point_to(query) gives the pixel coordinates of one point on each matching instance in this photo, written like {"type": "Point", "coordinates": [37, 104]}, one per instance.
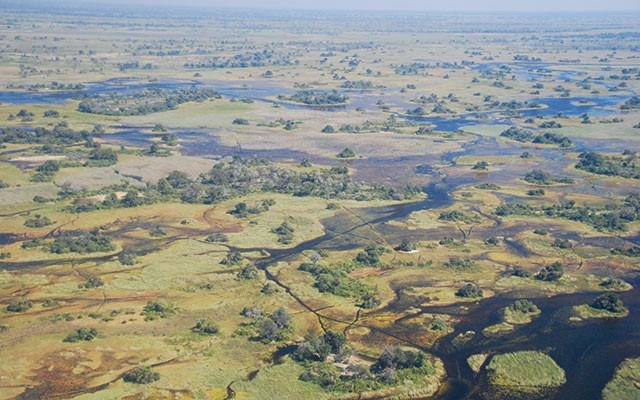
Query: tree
{"type": "Point", "coordinates": [406, 245]}
{"type": "Point", "coordinates": [346, 153]}
{"type": "Point", "coordinates": [469, 291]}
{"type": "Point", "coordinates": [370, 256]}
{"type": "Point", "coordinates": [610, 302]}
{"type": "Point", "coordinates": [328, 129]}
{"type": "Point", "coordinates": [551, 273]}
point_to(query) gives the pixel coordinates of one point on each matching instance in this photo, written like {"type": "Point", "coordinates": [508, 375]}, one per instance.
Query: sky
{"type": "Point", "coordinates": [422, 5]}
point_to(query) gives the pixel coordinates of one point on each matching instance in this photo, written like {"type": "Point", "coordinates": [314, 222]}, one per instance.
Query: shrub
{"type": "Point", "coordinates": [20, 305]}
{"type": "Point", "coordinates": [141, 375]}
{"type": "Point", "coordinates": [551, 273]}
{"type": "Point", "coordinates": [406, 245]}
{"type": "Point", "coordinates": [81, 335]}
{"type": "Point", "coordinates": [248, 272]}
{"type": "Point", "coordinates": [154, 310]}
{"type": "Point", "coordinates": [469, 291]}
{"type": "Point", "coordinates": [346, 153]}
{"type": "Point", "coordinates": [205, 327]}
{"type": "Point", "coordinates": [93, 282]}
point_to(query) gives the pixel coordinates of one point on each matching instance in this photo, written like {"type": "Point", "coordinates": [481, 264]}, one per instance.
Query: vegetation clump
{"type": "Point", "coordinates": [346, 153]}
{"type": "Point", "coordinates": [370, 256]}
{"type": "Point", "coordinates": [141, 375]}
{"type": "Point", "coordinates": [22, 305]}
{"type": "Point", "coordinates": [460, 263]}
{"type": "Point", "coordinates": [394, 366]}
{"type": "Point", "coordinates": [612, 217]}
{"type": "Point", "coordinates": [524, 135]}
{"type": "Point", "coordinates": [274, 327]}
{"type": "Point", "coordinates": [146, 101]}
{"type": "Point", "coordinates": [551, 273]}
{"type": "Point", "coordinates": [335, 279]}
{"type": "Point", "coordinates": [285, 233]}
{"type": "Point", "coordinates": [205, 327]}
{"type": "Point", "coordinates": [91, 242]}
{"type": "Point", "coordinates": [38, 221]}
{"type": "Point", "coordinates": [470, 291]}
{"type": "Point", "coordinates": [93, 282]}
{"type": "Point", "coordinates": [623, 166]}
{"type": "Point", "coordinates": [81, 335]}
{"type": "Point", "coordinates": [313, 98]}
{"type": "Point", "coordinates": [538, 177]}
{"type": "Point", "coordinates": [406, 245]}
{"type": "Point", "coordinates": [154, 310]}
{"type": "Point", "coordinates": [609, 302]}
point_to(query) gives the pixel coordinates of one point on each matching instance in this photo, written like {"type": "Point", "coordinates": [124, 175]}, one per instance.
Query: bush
{"type": "Point", "coordinates": [460, 263]}
{"type": "Point", "coordinates": [127, 257]}
{"type": "Point", "coordinates": [524, 306]}
{"type": "Point", "coordinates": [551, 273]}
{"type": "Point", "coordinates": [469, 291]}
{"type": "Point", "coordinates": [38, 221]}
{"type": "Point", "coordinates": [240, 121]}
{"type": "Point", "coordinates": [81, 335]}
{"type": "Point", "coordinates": [233, 258]}
{"type": "Point", "coordinates": [346, 153]}
{"type": "Point", "coordinates": [20, 305]}
{"type": "Point", "coordinates": [328, 129]}
{"type": "Point", "coordinates": [91, 242]}
{"type": "Point", "coordinates": [141, 375]}
{"type": "Point", "coordinates": [217, 238]}
{"type": "Point", "coordinates": [248, 272]}
{"type": "Point", "coordinates": [154, 310]}
{"type": "Point", "coordinates": [93, 282]}
{"type": "Point", "coordinates": [406, 245]}
{"type": "Point", "coordinates": [205, 327]}
{"type": "Point", "coordinates": [370, 256]}
{"type": "Point", "coordinates": [520, 273]}
{"type": "Point", "coordinates": [394, 358]}
{"type": "Point", "coordinates": [492, 241]}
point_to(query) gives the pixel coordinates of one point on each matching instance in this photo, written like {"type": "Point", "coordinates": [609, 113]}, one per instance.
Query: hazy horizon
{"type": "Point", "coordinates": [400, 5]}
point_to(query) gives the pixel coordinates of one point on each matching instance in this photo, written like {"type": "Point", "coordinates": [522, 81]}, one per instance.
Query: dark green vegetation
{"type": "Point", "coordinates": [610, 302]}
{"type": "Point", "coordinates": [625, 166]}
{"type": "Point", "coordinates": [335, 279]}
{"type": "Point", "coordinates": [524, 135]}
{"type": "Point", "coordinates": [143, 102]}
{"type": "Point", "coordinates": [551, 273]}
{"type": "Point", "coordinates": [245, 176]}
{"type": "Point", "coordinates": [313, 98]}
{"type": "Point", "coordinates": [613, 217]}
{"type": "Point", "coordinates": [267, 328]}
{"type": "Point", "coordinates": [470, 291]}
{"type": "Point", "coordinates": [205, 327]}
{"type": "Point", "coordinates": [81, 335]}
{"type": "Point", "coordinates": [538, 177]}
{"type": "Point", "coordinates": [141, 376]}
{"type": "Point", "coordinates": [321, 355]}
